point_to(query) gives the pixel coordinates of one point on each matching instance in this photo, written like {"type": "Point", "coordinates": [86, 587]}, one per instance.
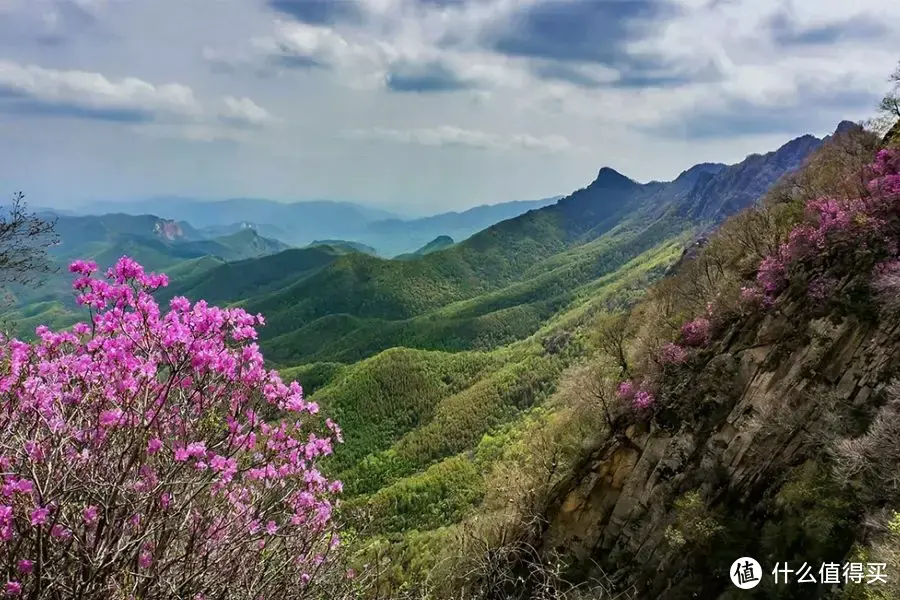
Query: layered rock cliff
{"type": "Point", "coordinates": [668, 506]}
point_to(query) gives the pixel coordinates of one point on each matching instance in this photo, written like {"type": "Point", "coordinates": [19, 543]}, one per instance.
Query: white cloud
{"type": "Point", "coordinates": [418, 74]}
{"type": "Point", "coordinates": [36, 90]}
{"type": "Point", "coordinates": [446, 135]}
{"type": "Point", "coordinates": [93, 91]}
{"type": "Point", "coordinates": [244, 111]}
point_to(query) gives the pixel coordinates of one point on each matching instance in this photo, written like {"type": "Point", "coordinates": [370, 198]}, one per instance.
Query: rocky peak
{"type": "Point", "coordinates": [168, 230]}
{"type": "Point", "coordinates": [610, 178]}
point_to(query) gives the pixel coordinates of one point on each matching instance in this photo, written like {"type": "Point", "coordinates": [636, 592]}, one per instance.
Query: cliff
{"type": "Point", "coordinates": [667, 507]}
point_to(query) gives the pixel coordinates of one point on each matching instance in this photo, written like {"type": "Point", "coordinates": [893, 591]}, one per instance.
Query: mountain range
{"type": "Point", "coordinates": [500, 284]}
{"type": "Point", "coordinates": [435, 362]}
{"type": "Point", "coordinates": [302, 223]}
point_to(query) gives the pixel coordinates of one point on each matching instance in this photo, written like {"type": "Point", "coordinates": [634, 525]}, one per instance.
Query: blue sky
{"type": "Point", "coordinates": [422, 105]}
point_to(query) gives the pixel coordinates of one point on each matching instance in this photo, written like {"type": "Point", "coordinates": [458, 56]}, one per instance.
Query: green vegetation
{"type": "Point", "coordinates": [343, 247]}
{"type": "Point", "coordinates": [444, 369]}
{"type": "Point", "coordinates": [438, 243]}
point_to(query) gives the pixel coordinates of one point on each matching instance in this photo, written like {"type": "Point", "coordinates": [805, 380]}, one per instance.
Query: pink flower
{"type": "Point", "coordinates": [13, 588]}
{"type": "Point", "coordinates": [39, 516]}
{"type": "Point", "coordinates": [90, 515]}
{"type": "Point", "coordinates": [643, 400]}
{"type": "Point", "coordinates": [145, 559]}
{"type": "Point", "coordinates": [25, 566]}
{"type": "Point", "coordinates": [83, 267]}
{"type": "Point", "coordinates": [673, 354]}
{"type": "Point", "coordinates": [154, 446]}
{"type": "Point", "coordinates": [110, 418]}
{"type": "Point", "coordinates": [696, 333]}
{"type": "Point", "coordinates": [191, 378]}
{"type": "Point", "coordinates": [59, 532]}
{"type": "Point", "coordinates": [626, 390]}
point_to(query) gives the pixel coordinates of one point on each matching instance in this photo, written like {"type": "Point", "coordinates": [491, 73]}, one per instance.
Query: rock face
{"type": "Point", "coordinates": [169, 230]}
{"type": "Point", "coordinates": [616, 510]}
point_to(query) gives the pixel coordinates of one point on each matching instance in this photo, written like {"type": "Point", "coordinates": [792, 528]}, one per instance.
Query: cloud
{"type": "Point", "coordinates": [53, 22]}
{"type": "Point", "coordinates": [320, 12]}
{"type": "Point", "coordinates": [432, 76]}
{"type": "Point", "coordinates": [361, 60]}
{"type": "Point", "coordinates": [30, 89]}
{"type": "Point", "coordinates": [448, 136]}
{"type": "Point", "coordinates": [578, 30]}
{"type": "Point", "coordinates": [787, 31]}
{"type": "Point", "coordinates": [243, 112]}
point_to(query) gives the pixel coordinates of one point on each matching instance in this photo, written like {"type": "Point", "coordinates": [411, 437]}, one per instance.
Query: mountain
{"type": "Point", "coordinates": [503, 282]}
{"type": "Point", "coordinates": [247, 243]}
{"type": "Point", "coordinates": [496, 426]}
{"type": "Point", "coordinates": [264, 229]}
{"type": "Point", "coordinates": [395, 236]}
{"type": "Point", "coordinates": [300, 222]}
{"type": "Point", "coordinates": [438, 243]}
{"type": "Point", "coordinates": [344, 247]}
{"type": "Point", "coordinates": [158, 244]}
{"type": "Point", "coordinates": [248, 278]}
{"type": "Point", "coordinates": [717, 193]}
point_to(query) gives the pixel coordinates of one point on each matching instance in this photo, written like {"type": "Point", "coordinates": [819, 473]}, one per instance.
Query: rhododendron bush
{"type": "Point", "coordinates": [853, 234]}
{"type": "Point", "coordinates": [135, 463]}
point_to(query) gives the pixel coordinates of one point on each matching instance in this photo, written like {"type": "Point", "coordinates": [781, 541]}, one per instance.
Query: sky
{"type": "Point", "coordinates": [417, 105]}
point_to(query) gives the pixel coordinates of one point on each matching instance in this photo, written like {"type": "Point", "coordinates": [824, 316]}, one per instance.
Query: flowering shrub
{"type": "Point", "coordinates": [639, 397]}
{"type": "Point", "coordinates": [835, 230]}
{"type": "Point", "coordinates": [643, 399]}
{"type": "Point", "coordinates": [135, 463]}
{"type": "Point", "coordinates": [672, 354]}
{"type": "Point", "coordinates": [626, 390]}
{"type": "Point", "coordinates": [696, 333]}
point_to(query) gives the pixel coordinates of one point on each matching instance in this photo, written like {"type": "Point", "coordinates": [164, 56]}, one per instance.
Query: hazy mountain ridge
{"type": "Point", "coordinates": [301, 223]}
{"type": "Point", "coordinates": [534, 262]}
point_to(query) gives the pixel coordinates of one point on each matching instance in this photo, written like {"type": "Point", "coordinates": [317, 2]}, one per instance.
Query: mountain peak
{"type": "Point", "coordinates": [609, 177]}
{"type": "Point", "coordinates": [846, 126]}
{"type": "Point", "coordinates": [691, 175]}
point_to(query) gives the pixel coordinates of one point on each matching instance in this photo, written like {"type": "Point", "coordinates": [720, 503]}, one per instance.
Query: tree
{"type": "Point", "coordinates": [613, 335]}
{"type": "Point", "coordinates": [24, 239]}
{"type": "Point", "coordinates": [890, 104]}
{"type": "Point", "coordinates": [135, 462]}
{"type": "Point", "coordinates": [889, 111]}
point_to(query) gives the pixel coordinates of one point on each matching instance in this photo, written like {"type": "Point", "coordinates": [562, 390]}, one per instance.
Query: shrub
{"type": "Point", "coordinates": [673, 354]}
{"type": "Point", "coordinates": [696, 333]}
{"type": "Point", "coordinates": [135, 463]}
{"type": "Point", "coordinates": [842, 235]}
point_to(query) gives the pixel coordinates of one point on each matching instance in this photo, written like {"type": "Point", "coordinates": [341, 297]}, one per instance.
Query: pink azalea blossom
{"type": "Point", "coordinates": [25, 566]}
{"type": "Point", "coordinates": [39, 516]}
{"type": "Point", "coordinates": [106, 398]}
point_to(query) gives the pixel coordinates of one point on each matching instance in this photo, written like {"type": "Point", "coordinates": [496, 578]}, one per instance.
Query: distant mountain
{"type": "Point", "coordinates": [395, 236]}
{"type": "Point", "coordinates": [247, 243]}
{"type": "Point", "coordinates": [249, 278]}
{"type": "Point", "coordinates": [301, 221]}
{"type": "Point", "coordinates": [719, 192]}
{"type": "Point", "coordinates": [344, 246]}
{"type": "Point", "coordinates": [438, 243]}
{"type": "Point", "coordinates": [503, 282]}
{"type": "Point", "coordinates": [158, 244]}
{"type": "Point", "coordinates": [264, 229]}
